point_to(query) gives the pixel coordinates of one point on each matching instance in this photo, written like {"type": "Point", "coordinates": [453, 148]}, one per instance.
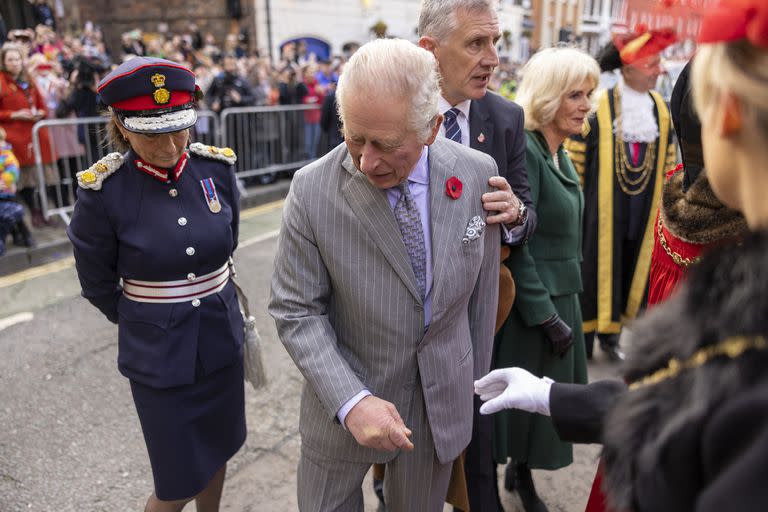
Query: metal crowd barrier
{"type": "Point", "coordinates": [268, 140]}
{"type": "Point", "coordinates": [76, 144]}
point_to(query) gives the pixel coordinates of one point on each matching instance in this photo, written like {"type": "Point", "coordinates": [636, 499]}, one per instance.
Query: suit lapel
{"type": "Point", "coordinates": [480, 127]}
{"type": "Point", "coordinates": [372, 208]}
{"type": "Point", "coordinates": [446, 222]}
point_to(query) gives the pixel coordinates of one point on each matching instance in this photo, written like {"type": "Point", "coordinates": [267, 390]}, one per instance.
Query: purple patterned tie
{"type": "Point", "coordinates": [409, 220]}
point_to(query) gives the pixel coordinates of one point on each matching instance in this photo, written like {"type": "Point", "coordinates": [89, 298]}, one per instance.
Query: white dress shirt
{"type": "Point", "coordinates": [462, 118]}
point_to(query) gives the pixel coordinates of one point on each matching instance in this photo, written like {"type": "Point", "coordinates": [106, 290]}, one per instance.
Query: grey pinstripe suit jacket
{"type": "Point", "coordinates": [348, 309]}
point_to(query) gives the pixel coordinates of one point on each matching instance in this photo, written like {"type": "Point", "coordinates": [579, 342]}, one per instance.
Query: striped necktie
{"type": "Point", "coordinates": [409, 220]}
{"type": "Point", "coordinates": [451, 123]}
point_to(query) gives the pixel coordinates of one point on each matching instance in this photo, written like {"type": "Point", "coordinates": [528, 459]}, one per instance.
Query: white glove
{"type": "Point", "coordinates": [513, 388]}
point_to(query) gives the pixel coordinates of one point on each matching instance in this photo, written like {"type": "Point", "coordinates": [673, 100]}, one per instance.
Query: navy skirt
{"type": "Point", "coordinates": [191, 431]}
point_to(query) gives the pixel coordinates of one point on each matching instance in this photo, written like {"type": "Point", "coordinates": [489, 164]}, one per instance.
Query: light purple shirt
{"type": "Point", "coordinates": [418, 184]}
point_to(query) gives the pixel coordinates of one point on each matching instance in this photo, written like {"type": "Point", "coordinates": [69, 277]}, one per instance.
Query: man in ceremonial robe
{"type": "Point", "coordinates": [621, 158]}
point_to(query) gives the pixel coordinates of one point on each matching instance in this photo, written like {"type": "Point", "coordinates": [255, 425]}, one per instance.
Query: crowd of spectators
{"type": "Point", "coordinates": [64, 69]}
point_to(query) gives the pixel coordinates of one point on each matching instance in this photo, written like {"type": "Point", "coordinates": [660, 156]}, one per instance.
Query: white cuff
{"type": "Point", "coordinates": [349, 404]}
{"type": "Point", "coordinates": [514, 235]}
{"type": "Point", "coordinates": [543, 405]}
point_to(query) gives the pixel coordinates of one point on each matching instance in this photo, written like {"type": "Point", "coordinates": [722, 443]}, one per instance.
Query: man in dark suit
{"type": "Point", "coordinates": [462, 34]}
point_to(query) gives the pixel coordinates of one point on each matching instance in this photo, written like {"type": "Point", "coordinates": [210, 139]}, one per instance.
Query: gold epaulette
{"type": "Point", "coordinates": [93, 176]}
{"type": "Point", "coordinates": [222, 154]}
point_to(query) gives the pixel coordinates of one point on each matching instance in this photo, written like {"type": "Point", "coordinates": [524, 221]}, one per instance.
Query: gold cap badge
{"type": "Point", "coordinates": [158, 80]}
{"type": "Point", "coordinates": [161, 95]}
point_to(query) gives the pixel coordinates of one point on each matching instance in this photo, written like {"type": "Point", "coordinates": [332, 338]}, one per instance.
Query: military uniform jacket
{"type": "Point", "coordinates": [140, 227]}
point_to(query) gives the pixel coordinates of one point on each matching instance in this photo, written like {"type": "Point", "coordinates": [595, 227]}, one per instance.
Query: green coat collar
{"type": "Point", "coordinates": [566, 173]}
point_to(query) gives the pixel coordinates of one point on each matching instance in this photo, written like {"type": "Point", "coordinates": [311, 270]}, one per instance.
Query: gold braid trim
{"type": "Point", "coordinates": [732, 348]}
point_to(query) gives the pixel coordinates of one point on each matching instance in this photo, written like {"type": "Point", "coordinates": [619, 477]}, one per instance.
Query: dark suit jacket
{"type": "Point", "coordinates": [496, 128]}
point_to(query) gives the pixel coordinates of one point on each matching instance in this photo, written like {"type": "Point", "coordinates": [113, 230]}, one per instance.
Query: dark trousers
{"type": "Point", "coordinates": [479, 466]}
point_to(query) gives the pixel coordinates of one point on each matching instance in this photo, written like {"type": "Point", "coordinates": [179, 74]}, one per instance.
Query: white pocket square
{"type": "Point", "coordinates": [474, 229]}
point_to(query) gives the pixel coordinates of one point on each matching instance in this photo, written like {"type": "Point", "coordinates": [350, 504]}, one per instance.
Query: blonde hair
{"type": "Point", "coordinates": [547, 77]}
{"type": "Point", "coordinates": [738, 67]}
{"type": "Point", "coordinates": [388, 69]}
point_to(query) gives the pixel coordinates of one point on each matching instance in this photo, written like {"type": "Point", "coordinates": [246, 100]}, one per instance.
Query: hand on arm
{"type": "Point", "coordinates": [375, 423]}
{"type": "Point", "coordinates": [513, 388]}
{"type": "Point", "coordinates": [502, 201]}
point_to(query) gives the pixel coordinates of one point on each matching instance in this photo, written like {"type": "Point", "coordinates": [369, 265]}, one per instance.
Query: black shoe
{"type": "Point", "coordinates": [609, 343]}
{"type": "Point", "coordinates": [510, 477]}
{"type": "Point", "coordinates": [526, 490]}
{"type": "Point", "coordinates": [614, 354]}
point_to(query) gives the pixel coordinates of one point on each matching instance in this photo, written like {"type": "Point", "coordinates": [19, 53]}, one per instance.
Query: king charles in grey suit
{"type": "Point", "coordinates": [385, 287]}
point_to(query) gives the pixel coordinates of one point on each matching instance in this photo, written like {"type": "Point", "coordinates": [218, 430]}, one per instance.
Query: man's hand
{"type": "Point", "coordinates": [502, 201]}
{"type": "Point", "coordinates": [375, 423]}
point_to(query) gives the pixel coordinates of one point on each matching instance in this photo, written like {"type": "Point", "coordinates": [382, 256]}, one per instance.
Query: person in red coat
{"type": "Point", "coordinates": [21, 106]}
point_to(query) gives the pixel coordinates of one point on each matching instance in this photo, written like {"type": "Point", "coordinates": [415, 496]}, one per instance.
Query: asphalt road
{"type": "Point", "coordinates": [69, 436]}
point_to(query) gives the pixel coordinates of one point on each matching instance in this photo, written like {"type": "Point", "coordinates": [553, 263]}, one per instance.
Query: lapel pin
{"type": "Point", "coordinates": [453, 187]}
{"type": "Point", "coordinates": [481, 138]}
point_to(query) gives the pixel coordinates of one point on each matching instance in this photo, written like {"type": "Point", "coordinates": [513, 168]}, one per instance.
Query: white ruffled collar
{"type": "Point", "coordinates": [638, 118]}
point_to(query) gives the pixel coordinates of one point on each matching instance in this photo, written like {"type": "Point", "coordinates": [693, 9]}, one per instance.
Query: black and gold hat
{"type": "Point", "coordinates": [151, 95]}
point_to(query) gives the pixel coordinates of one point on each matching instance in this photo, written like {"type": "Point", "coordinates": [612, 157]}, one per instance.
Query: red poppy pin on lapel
{"type": "Point", "coordinates": [453, 187]}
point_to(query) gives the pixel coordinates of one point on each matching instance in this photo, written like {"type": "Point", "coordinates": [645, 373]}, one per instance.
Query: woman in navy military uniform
{"type": "Point", "coordinates": [153, 231]}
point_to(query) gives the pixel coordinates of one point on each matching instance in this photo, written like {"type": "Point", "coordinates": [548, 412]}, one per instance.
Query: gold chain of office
{"type": "Point", "coordinates": [633, 180]}
{"type": "Point", "coordinates": [731, 348]}
{"type": "Point", "coordinates": [679, 260]}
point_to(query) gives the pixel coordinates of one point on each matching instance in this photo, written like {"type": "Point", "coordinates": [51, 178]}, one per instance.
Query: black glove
{"type": "Point", "coordinates": [559, 335]}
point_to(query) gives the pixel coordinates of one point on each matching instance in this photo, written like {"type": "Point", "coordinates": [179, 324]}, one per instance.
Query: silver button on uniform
{"type": "Point", "coordinates": [173, 192]}
{"type": "Point", "coordinates": [191, 276]}
{"type": "Point", "coordinates": [196, 302]}
{"type": "Point", "coordinates": [190, 251]}
{"type": "Point", "coordinates": [182, 221]}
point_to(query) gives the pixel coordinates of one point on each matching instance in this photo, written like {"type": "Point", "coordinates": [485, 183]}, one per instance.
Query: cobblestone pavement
{"type": "Point", "coordinates": [69, 435]}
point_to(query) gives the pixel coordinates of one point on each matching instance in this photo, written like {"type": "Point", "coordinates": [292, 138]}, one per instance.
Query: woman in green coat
{"type": "Point", "coordinates": [543, 332]}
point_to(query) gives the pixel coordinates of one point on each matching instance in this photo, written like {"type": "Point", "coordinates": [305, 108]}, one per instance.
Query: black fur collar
{"type": "Point", "coordinates": [697, 216]}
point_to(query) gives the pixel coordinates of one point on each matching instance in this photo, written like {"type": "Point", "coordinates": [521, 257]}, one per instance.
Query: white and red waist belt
{"type": "Point", "coordinates": [194, 287]}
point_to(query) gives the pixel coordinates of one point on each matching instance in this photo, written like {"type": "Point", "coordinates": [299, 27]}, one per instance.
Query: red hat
{"type": "Point", "coordinates": [151, 95]}
{"type": "Point", "coordinates": [731, 20]}
{"type": "Point", "coordinates": [643, 43]}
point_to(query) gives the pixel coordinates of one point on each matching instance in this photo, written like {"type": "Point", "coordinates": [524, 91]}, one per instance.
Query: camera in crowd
{"type": "Point", "coordinates": [88, 67]}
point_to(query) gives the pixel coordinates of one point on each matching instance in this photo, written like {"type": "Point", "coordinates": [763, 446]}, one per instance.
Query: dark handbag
{"type": "Point", "coordinates": [253, 367]}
